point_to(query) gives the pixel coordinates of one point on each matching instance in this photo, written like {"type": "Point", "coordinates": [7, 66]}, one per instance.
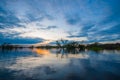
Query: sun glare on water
{"type": "Point", "coordinates": [41, 51]}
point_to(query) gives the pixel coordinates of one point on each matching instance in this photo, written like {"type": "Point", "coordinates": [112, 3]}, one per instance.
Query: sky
{"type": "Point", "coordinates": [45, 21]}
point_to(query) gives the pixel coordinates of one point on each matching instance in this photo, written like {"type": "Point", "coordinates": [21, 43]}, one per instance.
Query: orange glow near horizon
{"type": "Point", "coordinates": [41, 51]}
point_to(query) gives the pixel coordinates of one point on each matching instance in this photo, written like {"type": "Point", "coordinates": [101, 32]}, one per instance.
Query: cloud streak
{"type": "Point", "coordinates": [56, 19]}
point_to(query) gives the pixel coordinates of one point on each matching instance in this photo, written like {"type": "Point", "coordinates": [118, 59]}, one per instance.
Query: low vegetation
{"type": "Point", "coordinates": [69, 45]}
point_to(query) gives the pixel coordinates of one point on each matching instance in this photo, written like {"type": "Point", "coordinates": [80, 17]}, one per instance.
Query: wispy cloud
{"type": "Point", "coordinates": [48, 28]}
{"type": "Point", "coordinates": [89, 20]}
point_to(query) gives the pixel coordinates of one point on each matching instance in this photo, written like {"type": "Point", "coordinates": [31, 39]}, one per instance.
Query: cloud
{"type": "Point", "coordinates": [91, 20]}
{"type": "Point", "coordinates": [48, 28]}
{"type": "Point", "coordinates": [21, 40]}
{"type": "Point", "coordinates": [73, 19]}
{"type": "Point", "coordinates": [32, 31]}
{"type": "Point", "coordinates": [7, 18]}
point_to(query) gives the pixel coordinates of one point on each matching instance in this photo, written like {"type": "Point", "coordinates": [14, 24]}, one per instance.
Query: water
{"type": "Point", "coordinates": [59, 64]}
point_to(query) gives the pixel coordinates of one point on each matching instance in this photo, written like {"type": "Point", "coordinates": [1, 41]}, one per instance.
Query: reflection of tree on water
{"type": "Point", "coordinates": [61, 51]}
{"type": "Point", "coordinates": [65, 48]}
{"type": "Point", "coordinates": [64, 52]}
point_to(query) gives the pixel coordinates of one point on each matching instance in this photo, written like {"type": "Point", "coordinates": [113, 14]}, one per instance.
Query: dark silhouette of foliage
{"type": "Point", "coordinates": [68, 45]}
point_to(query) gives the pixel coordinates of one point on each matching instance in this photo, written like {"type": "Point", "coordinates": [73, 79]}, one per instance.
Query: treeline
{"type": "Point", "coordinates": [64, 44]}
{"type": "Point", "coordinates": [9, 46]}
{"type": "Point", "coordinates": [69, 45]}
{"type": "Point", "coordinates": [74, 44]}
{"type": "Point", "coordinates": [99, 46]}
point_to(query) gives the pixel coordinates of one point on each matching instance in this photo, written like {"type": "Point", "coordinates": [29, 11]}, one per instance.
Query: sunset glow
{"type": "Point", "coordinates": [45, 21]}
{"type": "Point", "coordinates": [41, 51]}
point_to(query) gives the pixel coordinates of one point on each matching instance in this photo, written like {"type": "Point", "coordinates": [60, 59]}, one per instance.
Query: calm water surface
{"type": "Point", "coordinates": [59, 64]}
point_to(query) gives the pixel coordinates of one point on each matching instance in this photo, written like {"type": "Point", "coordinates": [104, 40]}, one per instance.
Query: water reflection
{"type": "Point", "coordinates": [59, 64]}
{"type": "Point", "coordinates": [65, 53]}
{"type": "Point", "coordinates": [41, 51]}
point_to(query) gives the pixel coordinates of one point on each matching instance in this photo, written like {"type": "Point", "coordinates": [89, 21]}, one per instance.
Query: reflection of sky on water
{"type": "Point", "coordinates": [41, 51]}
{"type": "Point", "coordinates": [45, 57]}
{"type": "Point", "coordinates": [46, 64]}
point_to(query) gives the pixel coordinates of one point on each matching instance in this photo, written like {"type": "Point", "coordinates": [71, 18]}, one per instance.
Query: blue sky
{"type": "Point", "coordinates": [44, 21]}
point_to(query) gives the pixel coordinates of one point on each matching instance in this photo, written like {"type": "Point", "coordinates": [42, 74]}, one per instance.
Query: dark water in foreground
{"type": "Point", "coordinates": [41, 64]}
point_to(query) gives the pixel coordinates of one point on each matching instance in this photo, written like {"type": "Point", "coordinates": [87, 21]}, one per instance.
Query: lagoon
{"type": "Point", "coordinates": [59, 64]}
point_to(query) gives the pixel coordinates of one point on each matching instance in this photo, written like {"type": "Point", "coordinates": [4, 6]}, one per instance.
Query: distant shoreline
{"type": "Point", "coordinates": [69, 46]}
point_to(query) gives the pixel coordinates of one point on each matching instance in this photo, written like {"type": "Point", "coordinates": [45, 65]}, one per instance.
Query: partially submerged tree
{"type": "Point", "coordinates": [61, 43]}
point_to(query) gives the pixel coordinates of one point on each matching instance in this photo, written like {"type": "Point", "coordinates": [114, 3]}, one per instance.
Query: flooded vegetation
{"type": "Point", "coordinates": [63, 61]}
{"type": "Point", "coordinates": [59, 39]}
{"type": "Point", "coordinates": [69, 45]}
{"type": "Point", "coordinates": [59, 64]}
